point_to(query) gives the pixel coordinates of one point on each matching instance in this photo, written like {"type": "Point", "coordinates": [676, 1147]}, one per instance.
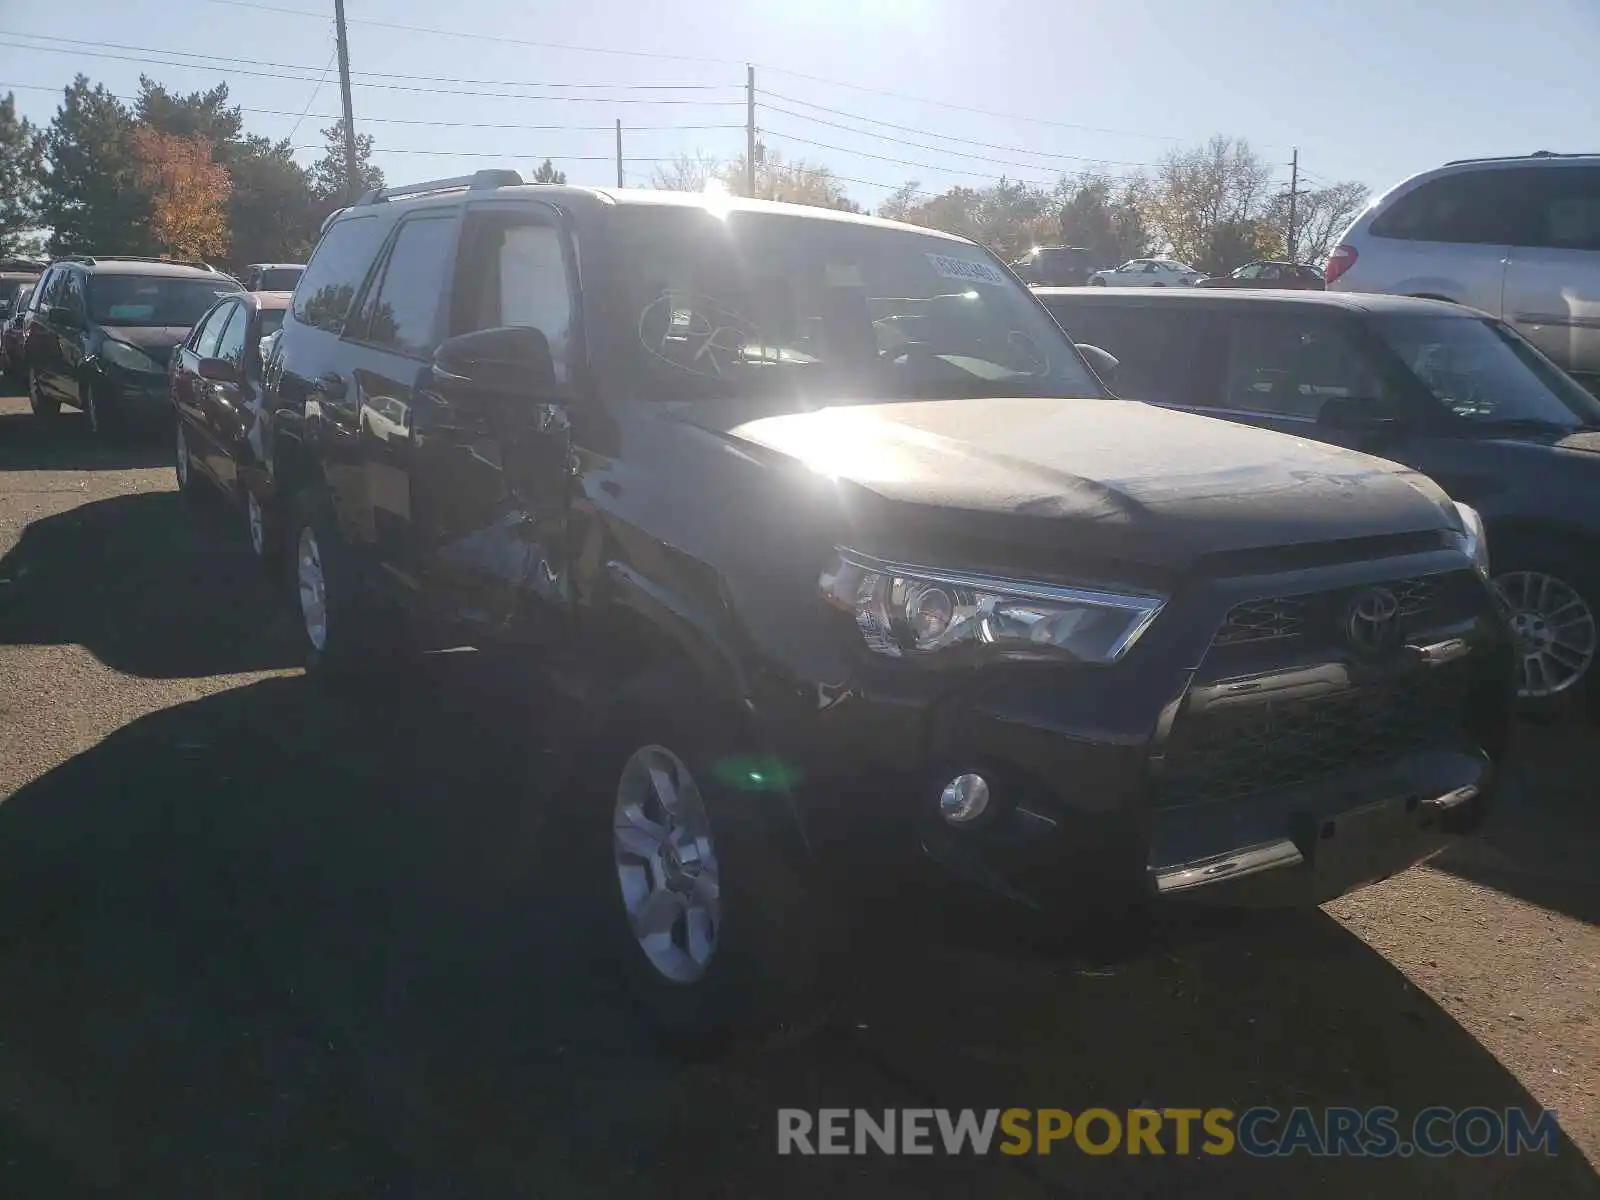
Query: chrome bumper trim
{"type": "Point", "coordinates": [1249, 860]}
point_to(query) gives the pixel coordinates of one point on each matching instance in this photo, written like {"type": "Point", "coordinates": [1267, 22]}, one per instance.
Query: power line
{"type": "Point", "coordinates": [295, 128]}
{"type": "Point", "coordinates": [946, 150]}
{"type": "Point", "coordinates": [927, 133]}
{"type": "Point", "coordinates": [778, 133]}
{"type": "Point", "coordinates": [279, 112]}
{"type": "Point", "coordinates": [256, 62]}
{"type": "Point", "coordinates": [485, 37]}
{"type": "Point", "coordinates": [393, 87]}
{"type": "Point", "coordinates": [458, 33]}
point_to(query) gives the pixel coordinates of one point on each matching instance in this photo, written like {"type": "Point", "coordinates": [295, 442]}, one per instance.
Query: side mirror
{"type": "Point", "coordinates": [1104, 363]}
{"type": "Point", "coordinates": [61, 314]}
{"type": "Point", "coordinates": [1358, 415]}
{"type": "Point", "coordinates": [218, 370]}
{"type": "Point", "coordinates": [505, 361]}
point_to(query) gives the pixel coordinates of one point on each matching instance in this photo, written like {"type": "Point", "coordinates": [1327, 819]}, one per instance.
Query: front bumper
{"type": "Point", "coordinates": [133, 398]}
{"type": "Point", "coordinates": [1185, 773]}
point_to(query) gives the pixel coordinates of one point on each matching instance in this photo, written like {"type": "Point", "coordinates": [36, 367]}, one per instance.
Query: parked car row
{"type": "Point", "coordinates": [843, 548]}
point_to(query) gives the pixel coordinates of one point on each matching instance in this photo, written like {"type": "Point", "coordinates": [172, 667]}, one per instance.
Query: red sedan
{"type": "Point", "coordinates": [1269, 273]}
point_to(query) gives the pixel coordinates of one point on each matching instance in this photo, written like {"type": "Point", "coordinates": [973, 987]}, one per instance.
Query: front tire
{"type": "Point", "coordinates": [713, 912]}
{"type": "Point", "coordinates": [183, 464]}
{"type": "Point", "coordinates": [1553, 601]}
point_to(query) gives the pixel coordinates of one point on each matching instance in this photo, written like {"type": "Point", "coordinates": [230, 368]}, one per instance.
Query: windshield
{"type": "Point", "coordinates": [280, 279]}
{"type": "Point", "coordinates": [749, 303]}
{"type": "Point", "coordinates": [153, 299]}
{"type": "Point", "coordinates": [1484, 372]}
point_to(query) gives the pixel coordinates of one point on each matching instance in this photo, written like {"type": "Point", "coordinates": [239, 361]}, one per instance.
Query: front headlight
{"type": "Point", "coordinates": [1471, 538]}
{"type": "Point", "coordinates": [120, 354]}
{"type": "Point", "coordinates": [905, 611]}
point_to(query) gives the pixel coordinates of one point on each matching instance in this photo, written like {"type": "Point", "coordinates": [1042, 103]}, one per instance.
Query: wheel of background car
{"type": "Point", "coordinates": [1097, 282]}
{"type": "Point", "coordinates": [92, 410]}
{"type": "Point", "coordinates": [1553, 602]}
{"type": "Point", "coordinates": [42, 407]}
{"type": "Point", "coordinates": [183, 463]}
{"type": "Point", "coordinates": [718, 929]}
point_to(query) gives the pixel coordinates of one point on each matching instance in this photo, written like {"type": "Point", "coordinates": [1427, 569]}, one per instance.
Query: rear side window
{"type": "Point", "coordinates": [404, 312]}
{"type": "Point", "coordinates": [1478, 207]}
{"type": "Point", "coordinates": [1290, 364]}
{"type": "Point", "coordinates": [1158, 347]}
{"type": "Point", "coordinates": [512, 272]}
{"type": "Point", "coordinates": [334, 275]}
{"type": "Point", "coordinates": [1565, 209]}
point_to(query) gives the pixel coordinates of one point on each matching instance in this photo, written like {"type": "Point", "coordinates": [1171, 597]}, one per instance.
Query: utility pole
{"type": "Point", "coordinates": [750, 131]}
{"type": "Point", "coordinates": [619, 151]}
{"type": "Point", "coordinates": [351, 182]}
{"type": "Point", "coordinates": [1294, 196]}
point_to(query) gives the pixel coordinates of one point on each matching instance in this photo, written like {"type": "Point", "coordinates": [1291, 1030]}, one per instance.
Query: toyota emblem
{"type": "Point", "coordinates": [1373, 625]}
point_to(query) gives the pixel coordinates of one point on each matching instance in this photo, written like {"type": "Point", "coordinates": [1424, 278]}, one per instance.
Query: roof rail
{"type": "Point", "coordinates": [90, 260]}
{"type": "Point", "coordinates": [491, 177]}
{"type": "Point", "coordinates": [1457, 162]}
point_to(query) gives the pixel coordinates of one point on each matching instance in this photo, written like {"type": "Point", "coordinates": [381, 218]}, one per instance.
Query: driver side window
{"type": "Point", "coordinates": [1290, 365]}
{"type": "Point", "coordinates": [512, 274]}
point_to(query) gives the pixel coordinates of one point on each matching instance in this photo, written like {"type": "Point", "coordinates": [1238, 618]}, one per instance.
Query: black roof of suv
{"type": "Point", "coordinates": [830, 536]}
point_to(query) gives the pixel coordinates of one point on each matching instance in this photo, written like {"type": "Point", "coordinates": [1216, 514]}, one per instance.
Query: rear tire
{"type": "Point", "coordinates": [715, 916]}
{"type": "Point", "coordinates": [346, 631]}
{"type": "Point", "coordinates": [1097, 283]}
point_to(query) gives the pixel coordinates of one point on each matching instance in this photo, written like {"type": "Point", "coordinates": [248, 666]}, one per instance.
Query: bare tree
{"type": "Point", "coordinates": [1320, 217]}
{"type": "Point", "coordinates": [687, 172]}
{"type": "Point", "coordinates": [1206, 203]}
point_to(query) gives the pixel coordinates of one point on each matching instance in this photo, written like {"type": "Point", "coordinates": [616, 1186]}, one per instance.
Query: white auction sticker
{"type": "Point", "coordinates": [966, 269]}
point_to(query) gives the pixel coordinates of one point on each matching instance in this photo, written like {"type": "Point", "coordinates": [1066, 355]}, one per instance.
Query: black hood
{"type": "Point", "coordinates": [157, 341]}
{"type": "Point", "coordinates": [1115, 478]}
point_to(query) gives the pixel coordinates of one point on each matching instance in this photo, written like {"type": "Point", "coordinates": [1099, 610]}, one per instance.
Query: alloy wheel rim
{"type": "Point", "coordinates": [313, 589]}
{"type": "Point", "coordinates": [1555, 631]}
{"type": "Point", "coordinates": [258, 528]}
{"type": "Point", "coordinates": [666, 864]}
{"type": "Point", "coordinates": [183, 457]}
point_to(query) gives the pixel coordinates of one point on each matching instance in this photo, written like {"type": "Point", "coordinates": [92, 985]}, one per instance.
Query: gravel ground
{"type": "Point", "coordinates": [264, 941]}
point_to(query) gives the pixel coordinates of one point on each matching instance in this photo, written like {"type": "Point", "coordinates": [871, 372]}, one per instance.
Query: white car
{"type": "Point", "coordinates": [1147, 272]}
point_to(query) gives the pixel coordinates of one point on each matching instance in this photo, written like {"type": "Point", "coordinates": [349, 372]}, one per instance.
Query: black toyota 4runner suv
{"type": "Point", "coordinates": [848, 548]}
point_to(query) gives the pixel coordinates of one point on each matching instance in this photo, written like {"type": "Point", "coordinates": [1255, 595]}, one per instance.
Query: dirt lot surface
{"type": "Point", "coordinates": [261, 940]}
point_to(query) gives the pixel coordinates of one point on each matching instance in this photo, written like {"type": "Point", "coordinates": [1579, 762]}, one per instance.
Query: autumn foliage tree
{"type": "Point", "coordinates": [188, 192]}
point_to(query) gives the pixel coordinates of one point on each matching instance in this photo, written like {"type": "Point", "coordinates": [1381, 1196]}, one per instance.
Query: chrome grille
{"type": "Point", "coordinates": [1280, 618]}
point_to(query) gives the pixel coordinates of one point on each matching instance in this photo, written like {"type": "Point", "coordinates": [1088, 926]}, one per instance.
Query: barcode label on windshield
{"type": "Point", "coordinates": [965, 269]}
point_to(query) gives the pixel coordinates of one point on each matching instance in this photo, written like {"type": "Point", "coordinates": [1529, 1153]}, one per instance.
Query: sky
{"type": "Point", "coordinates": [883, 92]}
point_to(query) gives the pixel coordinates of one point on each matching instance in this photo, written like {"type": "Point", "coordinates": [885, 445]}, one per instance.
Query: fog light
{"type": "Point", "coordinates": [964, 799]}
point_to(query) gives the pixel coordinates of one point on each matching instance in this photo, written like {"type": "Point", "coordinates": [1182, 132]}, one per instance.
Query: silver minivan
{"type": "Point", "coordinates": [1518, 238]}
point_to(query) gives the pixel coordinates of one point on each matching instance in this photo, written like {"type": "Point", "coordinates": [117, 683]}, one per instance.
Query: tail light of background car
{"type": "Point", "coordinates": [1340, 261]}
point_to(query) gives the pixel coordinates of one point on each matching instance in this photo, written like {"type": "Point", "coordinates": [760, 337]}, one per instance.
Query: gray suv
{"type": "Point", "coordinates": [1518, 238]}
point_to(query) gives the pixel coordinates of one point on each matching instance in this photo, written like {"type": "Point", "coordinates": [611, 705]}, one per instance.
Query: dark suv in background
{"type": "Point", "coordinates": [1054, 266]}
{"type": "Point", "coordinates": [101, 330]}
{"type": "Point", "coordinates": [842, 555]}
{"type": "Point", "coordinates": [1456, 394]}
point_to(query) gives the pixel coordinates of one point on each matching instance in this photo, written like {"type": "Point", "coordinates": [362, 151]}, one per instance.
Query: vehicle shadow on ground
{"type": "Point", "coordinates": [1541, 843]}
{"type": "Point", "coordinates": [287, 941]}
{"type": "Point", "coordinates": [154, 584]}
{"type": "Point", "coordinates": [66, 444]}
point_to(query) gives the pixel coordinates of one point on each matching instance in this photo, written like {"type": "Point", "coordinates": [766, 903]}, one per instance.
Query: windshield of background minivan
{"type": "Point", "coordinates": [752, 302]}
{"type": "Point", "coordinates": [1483, 371]}
{"type": "Point", "coordinates": [152, 299]}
